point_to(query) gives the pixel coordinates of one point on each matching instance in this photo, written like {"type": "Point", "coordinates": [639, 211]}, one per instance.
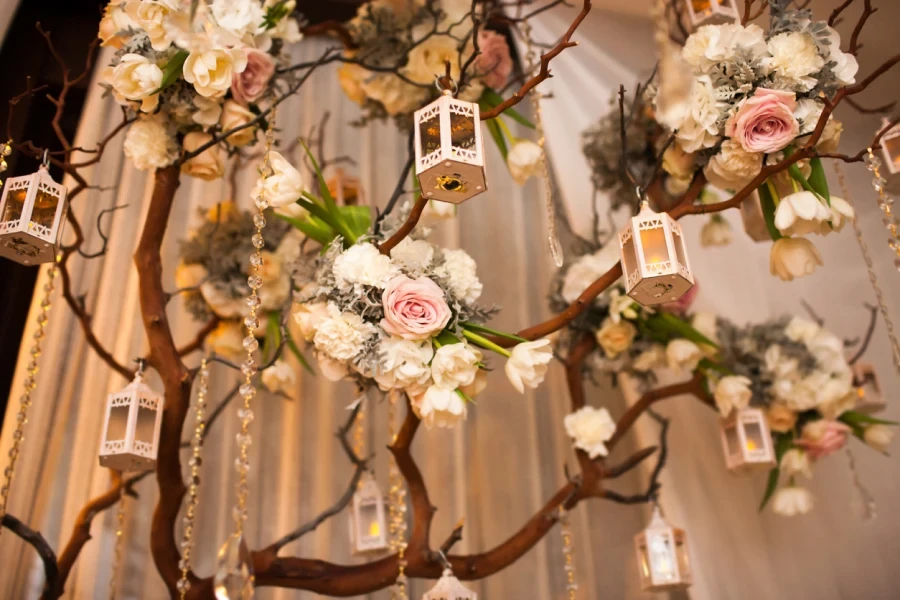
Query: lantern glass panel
{"type": "Point", "coordinates": [15, 204]}
{"type": "Point", "coordinates": [892, 149]}
{"type": "Point", "coordinates": [679, 248]}
{"type": "Point", "coordinates": [734, 442]}
{"type": "Point", "coordinates": [118, 423]}
{"type": "Point", "coordinates": [44, 212]}
{"type": "Point", "coordinates": [430, 134]}
{"type": "Point", "coordinates": [653, 242]}
{"type": "Point", "coordinates": [368, 529]}
{"type": "Point", "coordinates": [753, 435]}
{"type": "Point", "coordinates": [644, 554]}
{"type": "Point", "coordinates": [146, 425]}
{"type": "Point", "coordinates": [630, 258]}
{"type": "Point", "coordinates": [661, 555]}
{"type": "Point", "coordinates": [462, 131]}
{"type": "Point", "coordinates": [681, 553]}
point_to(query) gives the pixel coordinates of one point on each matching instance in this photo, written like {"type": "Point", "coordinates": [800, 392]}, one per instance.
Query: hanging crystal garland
{"type": "Point", "coordinates": [120, 540]}
{"type": "Point", "coordinates": [885, 202]}
{"type": "Point", "coordinates": [565, 532]}
{"type": "Point", "coordinates": [397, 510]}
{"type": "Point", "coordinates": [870, 266]}
{"type": "Point", "coordinates": [29, 385]}
{"type": "Point", "coordinates": [187, 536]}
{"type": "Point", "coordinates": [234, 578]}
{"type": "Point", "coordinates": [5, 151]}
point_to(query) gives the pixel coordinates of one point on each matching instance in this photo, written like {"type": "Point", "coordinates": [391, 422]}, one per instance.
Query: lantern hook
{"type": "Point", "coordinates": [141, 364]}
{"type": "Point", "coordinates": [440, 85]}
{"type": "Point", "coordinates": [45, 159]}
{"type": "Point", "coordinates": [444, 561]}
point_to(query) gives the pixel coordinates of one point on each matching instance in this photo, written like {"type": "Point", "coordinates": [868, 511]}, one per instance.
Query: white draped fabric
{"type": "Point", "coordinates": [508, 458]}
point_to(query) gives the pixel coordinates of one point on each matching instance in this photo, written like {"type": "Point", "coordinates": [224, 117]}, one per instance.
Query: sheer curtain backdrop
{"type": "Point", "coordinates": [508, 458]}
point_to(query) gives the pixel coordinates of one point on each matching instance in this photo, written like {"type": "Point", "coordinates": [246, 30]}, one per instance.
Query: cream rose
{"type": "Point", "coordinates": [793, 257]}
{"type": "Point", "coordinates": [212, 71]}
{"type": "Point", "coordinates": [227, 340]}
{"type": "Point", "coordinates": [135, 78]}
{"type": "Point", "coordinates": [235, 115]}
{"type": "Point", "coordinates": [616, 338]}
{"type": "Point", "coordinates": [733, 167]}
{"type": "Point", "coordinates": [525, 159]}
{"type": "Point", "coordinates": [590, 429]}
{"type": "Point", "coordinates": [780, 418]}
{"type": "Point", "coordinates": [153, 18]}
{"type": "Point", "coordinates": [397, 96]}
{"type": "Point", "coordinates": [414, 309]}
{"type": "Point", "coordinates": [209, 165]}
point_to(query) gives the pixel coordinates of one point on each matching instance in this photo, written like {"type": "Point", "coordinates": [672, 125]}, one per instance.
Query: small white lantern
{"type": "Point", "coordinates": [449, 150]}
{"type": "Point", "coordinates": [448, 587]}
{"type": "Point", "coordinates": [654, 258]}
{"type": "Point", "coordinates": [712, 12]}
{"type": "Point", "coordinates": [131, 427]}
{"type": "Point", "coordinates": [32, 210]}
{"type": "Point", "coordinates": [870, 399]}
{"type": "Point", "coordinates": [662, 555]}
{"type": "Point", "coordinates": [890, 153]}
{"type": "Point", "coordinates": [747, 440]}
{"type": "Point", "coordinates": [368, 524]}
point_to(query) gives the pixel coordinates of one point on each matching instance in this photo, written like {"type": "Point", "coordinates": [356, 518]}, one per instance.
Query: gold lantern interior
{"type": "Point", "coordinates": [15, 205]}
{"type": "Point", "coordinates": [430, 134]}
{"type": "Point", "coordinates": [712, 12]}
{"type": "Point", "coordinates": [870, 397]}
{"type": "Point", "coordinates": [32, 209]}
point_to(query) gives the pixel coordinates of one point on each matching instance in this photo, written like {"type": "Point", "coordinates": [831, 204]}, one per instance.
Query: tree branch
{"type": "Point", "coordinates": [37, 541]}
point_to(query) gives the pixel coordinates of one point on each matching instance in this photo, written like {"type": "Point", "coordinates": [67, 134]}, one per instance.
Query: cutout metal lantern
{"type": "Point", "coordinates": [662, 555]}
{"type": "Point", "coordinates": [449, 150]}
{"type": "Point", "coordinates": [890, 152]}
{"type": "Point", "coordinates": [747, 440]}
{"type": "Point", "coordinates": [346, 190]}
{"type": "Point", "coordinates": [32, 210]}
{"type": "Point", "coordinates": [712, 12]}
{"type": "Point", "coordinates": [368, 524]}
{"type": "Point", "coordinates": [868, 389]}
{"type": "Point", "coordinates": [448, 587]}
{"type": "Point", "coordinates": [654, 258]}
{"type": "Point", "coordinates": [131, 428]}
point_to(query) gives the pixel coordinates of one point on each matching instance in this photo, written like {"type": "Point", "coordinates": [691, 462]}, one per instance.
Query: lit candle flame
{"type": "Point", "coordinates": [374, 529]}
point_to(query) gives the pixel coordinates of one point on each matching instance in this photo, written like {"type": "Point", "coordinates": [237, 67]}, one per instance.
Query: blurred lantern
{"type": "Point", "coordinates": [662, 555]}
{"type": "Point", "coordinates": [754, 220]}
{"type": "Point", "coordinates": [890, 152]}
{"type": "Point", "coordinates": [32, 210]}
{"type": "Point", "coordinates": [868, 389]}
{"type": "Point", "coordinates": [746, 440]}
{"type": "Point", "coordinates": [654, 259]}
{"type": "Point", "coordinates": [448, 587]}
{"type": "Point", "coordinates": [449, 151]}
{"type": "Point", "coordinates": [346, 190]}
{"type": "Point", "coordinates": [368, 524]}
{"type": "Point", "coordinates": [712, 12]}
{"type": "Point", "coordinates": [131, 428]}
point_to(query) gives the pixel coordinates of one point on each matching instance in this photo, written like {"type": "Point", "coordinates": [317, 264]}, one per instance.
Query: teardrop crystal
{"type": "Point", "coordinates": [234, 571]}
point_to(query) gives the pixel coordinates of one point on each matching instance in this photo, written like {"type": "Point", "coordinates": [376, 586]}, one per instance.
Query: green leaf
{"type": "Point", "coordinates": [668, 324]}
{"type": "Point", "coordinates": [767, 202]}
{"type": "Point", "coordinates": [817, 179]}
{"type": "Point", "coordinates": [445, 337]}
{"type": "Point", "coordinates": [706, 364]}
{"type": "Point", "coordinates": [497, 133]}
{"type": "Point", "coordinates": [783, 443]}
{"type": "Point", "coordinates": [490, 99]}
{"type": "Point", "coordinates": [273, 335]}
{"type": "Point", "coordinates": [483, 329]}
{"type": "Point", "coordinates": [852, 417]}
{"type": "Point", "coordinates": [337, 221]}
{"type": "Point", "coordinates": [292, 345]}
{"type": "Point", "coordinates": [358, 219]}
{"type": "Point", "coordinates": [173, 70]}
{"type": "Point", "coordinates": [312, 227]}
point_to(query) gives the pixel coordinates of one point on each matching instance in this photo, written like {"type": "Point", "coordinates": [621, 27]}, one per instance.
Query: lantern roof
{"type": "Point", "coordinates": [658, 521]}
{"type": "Point", "coordinates": [450, 587]}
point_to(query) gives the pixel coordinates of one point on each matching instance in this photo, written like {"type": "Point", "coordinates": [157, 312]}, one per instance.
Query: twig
{"type": "Point", "coordinates": [873, 319]}
{"type": "Point", "coordinates": [401, 181]}
{"type": "Point", "coordinates": [414, 215]}
{"type": "Point", "coordinates": [46, 553]}
{"type": "Point", "coordinates": [103, 236]}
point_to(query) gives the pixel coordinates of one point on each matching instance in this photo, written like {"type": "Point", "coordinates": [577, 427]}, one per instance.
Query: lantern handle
{"type": "Point", "coordinates": [141, 364]}
{"type": "Point", "coordinates": [45, 159]}
{"type": "Point", "coordinates": [444, 561]}
{"type": "Point", "coordinates": [440, 86]}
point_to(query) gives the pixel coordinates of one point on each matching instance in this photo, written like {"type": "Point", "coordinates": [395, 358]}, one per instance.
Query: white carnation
{"type": "Point", "coordinates": [733, 167]}
{"type": "Point", "coordinates": [149, 145]}
{"type": "Point", "coordinates": [342, 335]}
{"type": "Point", "coordinates": [403, 363]}
{"type": "Point", "coordinates": [714, 44]}
{"type": "Point", "coordinates": [459, 272]}
{"type": "Point", "coordinates": [455, 365]}
{"type": "Point", "coordinates": [587, 269]}
{"type": "Point", "coordinates": [795, 58]}
{"type": "Point", "coordinates": [413, 255]}
{"type": "Point", "coordinates": [363, 264]}
{"type": "Point", "coordinates": [590, 428]}
{"type": "Point", "coordinates": [700, 129]}
{"type": "Point", "coordinates": [238, 16]}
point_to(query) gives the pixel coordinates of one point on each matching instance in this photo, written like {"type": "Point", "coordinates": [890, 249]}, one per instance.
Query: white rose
{"type": "Point", "coordinates": [793, 257]}
{"type": "Point", "coordinates": [279, 377]}
{"type": "Point", "coordinates": [733, 167]}
{"type": "Point", "coordinates": [208, 111]}
{"type": "Point", "coordinates": [413, 255]}
{"type": "Point", "coordinates": [284, 186]}
{"type": "Point", "coordinates": [149, 145]}
{"type": "Point", "coordinates": [615, 338]}
{"type": "Point", "coordinates": [363, 264]}
{"type": "Point", "coordinates": [115, 21]}
{"type": "Point", "coordinates": [525, 159]}
{"type": "Point", "coordinates": [153, 18]}
{"type": "Point", "coordinates": [342, 335]}
{"type": "Point", "coordinates": [587, 269]}
{"type": "Point", "coordinates": [527, 365]}
{"type": "Point", "coordinates": [590, 428]}
{"type": "Point", "coordinates": [209, 165]}
{"type": "Point", "coordinates": [879, 437]}
{"type": "Point", "coordinates": [846, 66]}
{"type": "Point", "coordinates": [221, 303]}
{"type": "Point", "coordinates": [801, 330]}
{"type": "Point", "coordinates": [397, 96]}
{"type": "Point", "coordinates": [459, 272]}
{"type": "Point", "coordinates": [455, 365]}
{"type": "Point", "coordinates": [699, 129]}
{"type": "Point", "coordinates": [442, 407]}
{"type": "Point", "coordinates": [238, 16]}
{"type": "Point", "coordinates": [715, 232]}
{"type": "Point", "coordinates": [732, 393]}
{"type": "Point", "coordinates": [683, 355]}
{"type": "Point", "coordinates": [795, 462]}
{"type": "Point", "coordinates": [308, 316]}
{"type": "Point", "coordinates": [795, 58]}
{"type": "Point", "coordinates": [227, 340]}
{"type": "Point", "coordinates": [801, 213]}
{"type": "Point", "coordinates": [211, 71]}
{"type": "Point", "coordinates": [403, 363]}
{"type": "Point", "coordinates": [650, 359]}
{"type": "Point", "coordinates": [234, 115]}
{"type": "Point", "coordinates": [792, 501]}
{"type": "Point", "coordinates": [135, 78]}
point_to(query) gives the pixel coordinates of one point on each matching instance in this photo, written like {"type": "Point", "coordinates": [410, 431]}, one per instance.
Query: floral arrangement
{"type": "Point", "coordinates": [755, 95]}
{"type": "Point", "coordinates": [185, 86]}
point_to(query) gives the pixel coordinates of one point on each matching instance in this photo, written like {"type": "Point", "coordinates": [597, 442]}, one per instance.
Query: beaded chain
{"type": "Point", "coordinates": [120, 540]}
{"type": "Point", "coordinates": [397, 511]}
{"type": "Point", "coordinates": [187, 537]}
{"type": "Point", "coordinates": [873, 164]}
{"type": "Point", "coordinates": [568, 550]}
{"type": "Point", "coordinates": [30, 384]}
{"type": "Point", "coordinates": [5, 150]}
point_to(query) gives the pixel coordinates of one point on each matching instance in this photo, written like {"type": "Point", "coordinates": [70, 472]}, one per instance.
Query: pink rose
{"type": "Point", "coordinates": [765, 122]}
{"type": "Point", "coordinates": [249, 85]}
{"type": "Point", "coordinates": [414, 309]}
{"type": "Point", "coordinates": [494, 63]}
{"type": "Point", "coordinates": [823, 437]}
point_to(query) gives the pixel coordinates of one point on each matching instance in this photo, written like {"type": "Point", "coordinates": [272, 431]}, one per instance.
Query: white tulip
{"type": "Point", "coordinates": [683, 355]}
{"type": "Point", "coordinates": [793, 257]}
{"type": "Point", "coordinates": [524, 160]}
{"type": "Point", "coordinates": [455, 365]}
{"type": "Point", "coordinates": [527, 365]}
{"type": "Point", "coordinates": [795, 462]}
{"type": "Point", "coordinates": [477, 386]}
{"type": "Point", "coordinates": [284, 186]}
{"type": "Point", "coordinates": [879, 437]}
{"type": "Point", "coordinates": [801, 213]}
{"type": "Point", "coordinates": [590, 428]}
{"type": "Point", "coordinates": [442, 407]}
{"type": "Point", "coordinates": [792, 501]}
{"type": "Point", "coordinates": [841, 212]}
{"type": "Point", "coordinates": [733, 393]}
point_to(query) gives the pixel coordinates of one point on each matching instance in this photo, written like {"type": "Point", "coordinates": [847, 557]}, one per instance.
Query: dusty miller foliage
{"type": "Point", "coordinates": [222, 246]}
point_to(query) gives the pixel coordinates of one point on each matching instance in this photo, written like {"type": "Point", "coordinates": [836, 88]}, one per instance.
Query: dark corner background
{"type": "Point", "coordinates": [73, 24]}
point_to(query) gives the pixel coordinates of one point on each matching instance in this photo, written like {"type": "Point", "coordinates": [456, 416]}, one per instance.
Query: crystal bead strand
{"type": "Point", "coordinates": [397, 510]}
{"type": "Point", "coordinates": [873, 278]}
{"type": "Point", "coordinates": [5, 150]}
{"type": "Point", "coordinates": [29, 385]}
{"type": "Point", "coordinates": [885, 202]}
{"type": "Point", "coordinates": [187, 536]}
{"type": "Point", "coordinates": [120, 540]}
{"type": "Point", "coordinates": [565, 532]}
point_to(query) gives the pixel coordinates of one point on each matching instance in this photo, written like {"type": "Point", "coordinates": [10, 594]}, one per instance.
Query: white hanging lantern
{"type": "Point", "coordinates": [449, 150]}
{"type": "Point", "coordinates": [32, 210]}
{"type": "Point", "coordinates": [368, 524]}
{"type": "Point", "coordinates": [870, 399]}
{"type": "Point", "coordinates": [448, 587]}
{"type": "Point", "coordinates": [662, 555]}
{"type": "Point", "coordinates": [890, 153]}
{"type": "Point", "coordinates": [712, 12]}
{"type": "Point", "coordinates": [131, 427]}
{"type": "Point", "coordinates": [654, 258]}
{"type": "Point", "coordinates": [747, 441]}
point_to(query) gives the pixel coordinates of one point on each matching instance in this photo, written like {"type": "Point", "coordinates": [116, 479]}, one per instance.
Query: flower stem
{"type": "Point", "coordinates": [485, 343]}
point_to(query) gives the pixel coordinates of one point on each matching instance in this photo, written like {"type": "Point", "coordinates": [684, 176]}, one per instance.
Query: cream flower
{"type": "Point", "coordinates": [209, 165]}
{"type": "Point", "coordinates": [189, 276]}
{"type": "Point", "coordinates": [153, 18]}
{"type": "Point", "coordinates": [211, 71]}
{"type": "Point", "coordinates": [801, 330]}
{"type": "Point", "coordinates": [284, 186]}
{"type": "Point", "coordinates": [700, 129]}
{"type": "Point", "coordinates": [332, 370]}
{"type": "Point", "coordinates": [841, 212]}
{"type": "Point", "coordinates": [351, 76]}
{"type": "Point", "coordinates": [714, 44]}
{"type": "Point", "coordinates": [793, 257]}
{"type": "Point", "coordinates": [707, 325]}
{"type": "Point", "coordinates": [831, 136]}
{"type": "Point", "coordinates": [795, 462]}
{"type": "Point", "coordinates": [683, 355]}
{"type": "Point", "coordinates": [525, 159]}
{"type": "Point", "coordinates": [427, 60]}
{"type": "Point", "coordinates": [308, 316]}
{"type": "Point", "coordinates": [732, 393]}
{"type": "Point", "coordinates": [455, 365]}
{"type": "Point", "coordinates": [780, 418]}
{"type": "Point", "coordinates": [616, 338]}
{"type": "Point", "coordinates": [238, 16]}
{"type": "Point", "coordinates": [115, 21]}
{"type": "Point", "coordinates": [403, 363]}
{"type": "Point", "coordinates": [221, 301]}
{"type": "Point", "coordinates": [621, 305]}
{"type": "Point", "coordinates": [527, 365]}
{"type": "Point", "coordinates": [792, 501]}
{"type": "Point", "coordinates": [795, 58]}
{"type": "Point", "coordinates": [397, 96]}
{"type": "Point", "coordinates": [678, 163]}
{"type": "Point", "coordinates": [208, 112]}
{"type": "Point", "coordinates": [590, 428]}
{"type": "Point", "coordinates": [835, 408]}
{"type": "Point", "coordinates": [279, 378]}
{"type": "Point", "coordinates": [477, 386]}
{"type": "Point", "coordinates": [459, 272]}
{"type": "Point", "coordinates": [227, 340]}
{"type": "Point", "coordinates": [135, 78]}
{"type": "Point", "coordinates": [276, 281]}
{"type": "Point", "coordinates": [342, 335]}
{"type": "Point", "coordinates": [437, 211]}
{"type": "Point", "coordinates": [879, 437]}
{"type": "Point", "coordinates": [442, 407]}
{"type": "Point", "coordinates": [715, 232]}
{"type": "Point", "coordinates": [363, 264]}
{"type": "Point", "coordinates": [733, 167]}
{"type": "Point", "coordinates": [650, 359]}
{"type": "Point", "coordinates": [149, 145]}
{"type": "Point", "coordinates": [413, 255]}
{"type": "Point", "coordinates": [801, 213]}
{"type": "Point", "coordinates": [587, 269]}
{"type": "Point", "coordinates": [845, 64]}
{"type": "Point", "coordinates": [235, 115]}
